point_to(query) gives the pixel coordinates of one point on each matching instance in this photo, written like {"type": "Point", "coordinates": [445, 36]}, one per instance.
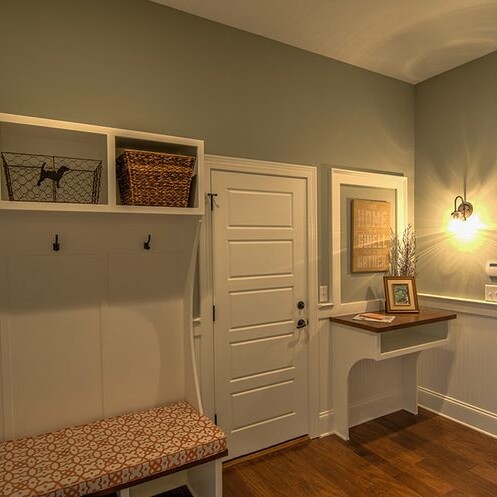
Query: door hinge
{"type": "Point", "coordinates": [215, 419]}
{"type": "Point", "coordinates": [213, 312]}
{"type": "Point", "coordinates": [211, 197]}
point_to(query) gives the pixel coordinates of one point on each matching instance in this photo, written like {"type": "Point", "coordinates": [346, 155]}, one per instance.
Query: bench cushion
{"type": "Point", "coordinates": [90, 458]}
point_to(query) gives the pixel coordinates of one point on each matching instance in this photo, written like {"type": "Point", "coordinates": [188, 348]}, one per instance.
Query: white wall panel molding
{"type": "Point", "coordinates": [461, 412]}
{"type": "Point", "coordinates": [342, 177]}
{"type": "Point", "coordinates": [325, 310]}
{"type": "Point", "coordinates": [329, 309]}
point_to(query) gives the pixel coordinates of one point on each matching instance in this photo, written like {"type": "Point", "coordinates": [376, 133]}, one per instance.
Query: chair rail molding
{"type": "Point", "coordinates": [457, 304]}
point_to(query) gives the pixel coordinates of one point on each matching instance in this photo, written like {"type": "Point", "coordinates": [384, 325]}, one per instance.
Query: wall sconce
{"type": "Point", "coordinates": [463, 210]}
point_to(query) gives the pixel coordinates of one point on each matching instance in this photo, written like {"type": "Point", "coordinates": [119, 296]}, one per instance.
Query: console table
{"type": "Point", "coordinates": [407, 335]}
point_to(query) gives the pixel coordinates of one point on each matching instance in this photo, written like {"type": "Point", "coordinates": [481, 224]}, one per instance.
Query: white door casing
{"type": "Point", "coordinates": [264, 262]}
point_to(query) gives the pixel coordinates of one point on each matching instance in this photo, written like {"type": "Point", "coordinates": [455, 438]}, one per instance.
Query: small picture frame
{"type": "Point", "coordinates": [400, 294]}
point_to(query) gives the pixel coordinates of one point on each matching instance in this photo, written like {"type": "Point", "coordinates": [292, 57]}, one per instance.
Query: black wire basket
{"type": "Point", "coordinates": [51, 178]}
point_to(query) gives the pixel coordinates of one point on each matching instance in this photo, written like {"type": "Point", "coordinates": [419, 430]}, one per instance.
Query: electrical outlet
{"type": "Point", "coordinates": [491, 293]}
{"type": "Point", "coordinates": [323, 293]}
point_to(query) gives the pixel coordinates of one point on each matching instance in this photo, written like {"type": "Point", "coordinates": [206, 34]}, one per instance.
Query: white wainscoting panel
{"type": "Point", "coordinates": [53, 337]}
{"type": "Point", "coordinates": [458, 379]}
{"type": "Point", "coordinates": [95, 329]}
{"type": "Point", "coordinates": [142, 350]}
{"type": "Point", "coordinates": [369, 379]}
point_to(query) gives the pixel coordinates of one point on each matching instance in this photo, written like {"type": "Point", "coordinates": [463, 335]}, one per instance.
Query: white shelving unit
{"type": "Point", "coordinates": [22, 134]}
{"type": "Point", "coordinates": [103, 326]}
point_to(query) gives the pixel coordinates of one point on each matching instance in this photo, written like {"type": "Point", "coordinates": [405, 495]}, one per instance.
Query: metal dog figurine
{"type": "Point", "coordinates": [55, 176]}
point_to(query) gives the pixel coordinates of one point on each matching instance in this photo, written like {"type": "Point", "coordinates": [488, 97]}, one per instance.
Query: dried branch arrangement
{"type": "Point", "coordinates": [403, 258]}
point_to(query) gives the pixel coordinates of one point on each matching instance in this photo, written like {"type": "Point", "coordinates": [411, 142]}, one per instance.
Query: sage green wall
{"type": "Point", "coordinates": [138, 65]}
{"type": "Point", "coordinates": [456, 144]}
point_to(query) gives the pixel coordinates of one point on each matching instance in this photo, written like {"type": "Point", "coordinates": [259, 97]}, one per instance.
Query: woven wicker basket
{"type": "Point", "coordinates": [153, 178]}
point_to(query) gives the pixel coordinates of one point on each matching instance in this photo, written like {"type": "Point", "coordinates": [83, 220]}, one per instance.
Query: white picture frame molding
{"type": "Point", "coordinates": [344, 177]}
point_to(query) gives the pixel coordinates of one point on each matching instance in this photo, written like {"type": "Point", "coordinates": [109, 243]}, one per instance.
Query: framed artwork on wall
{"type": "Point", "coordinates": [370, 244]}
{"type": "Point", "coordinates": [400, 294]}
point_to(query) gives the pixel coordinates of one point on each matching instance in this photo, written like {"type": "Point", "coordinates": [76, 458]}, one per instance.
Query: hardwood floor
{"type": "Point", "coordinates": [399, 455]}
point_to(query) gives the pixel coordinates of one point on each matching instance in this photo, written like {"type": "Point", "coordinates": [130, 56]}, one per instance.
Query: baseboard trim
{"type": "Point", "coordinates": [461, 412]}
{"type": "Point", "coordinates": [374, 407]}
{"type": "Point", "coordinates": [326, 423]}
{"type": "Point", "coordinates": [363, 411]}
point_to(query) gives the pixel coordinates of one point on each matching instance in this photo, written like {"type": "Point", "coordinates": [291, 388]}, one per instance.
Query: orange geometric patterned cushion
{"type": "Point", "coordinates": [77, 461]}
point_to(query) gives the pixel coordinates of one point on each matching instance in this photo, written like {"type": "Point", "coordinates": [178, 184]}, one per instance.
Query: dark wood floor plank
{"type": "Point", "coordinates": [399, 455]}
{"type": "Point", "coordinates": [471, 484]}
{"type": "Point", "coordinates": [456, 493]}
{"type": "Point", "coordinates": [488, 471]}
{"type": "Point", "coordinates": [477, 448]}
{"type": "Point", "coordinates": [411, 476]}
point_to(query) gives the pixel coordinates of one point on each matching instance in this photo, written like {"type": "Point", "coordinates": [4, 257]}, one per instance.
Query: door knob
{"type": "Point", "coordinates": [301, 323]}
{"type": "Point", "coordinates": [300, 304]}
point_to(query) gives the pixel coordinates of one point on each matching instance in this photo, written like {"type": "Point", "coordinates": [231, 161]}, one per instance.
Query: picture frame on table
{"type": "Point", "coordinates": [400, 294]}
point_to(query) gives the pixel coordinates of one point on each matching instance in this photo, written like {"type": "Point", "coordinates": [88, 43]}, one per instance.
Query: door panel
{"type": "Point", "coordinates": [266, 403]}
{"type": "Point", "coordinates": [260, 273]}
{"type": "Point", "coordinates": [261, 331]}
{"type": "Point", "coordinates": [259, 208]}
{"type": "Point", "coordinates": [248, 308]}
{"type": "Point", "coordinates": [262, 355]}
{"type": "Point", "coordinates": [260, 258]}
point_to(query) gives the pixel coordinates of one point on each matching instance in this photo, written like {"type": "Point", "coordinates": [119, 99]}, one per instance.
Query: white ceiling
{"type": "Point", "coordinates": [411, 40]}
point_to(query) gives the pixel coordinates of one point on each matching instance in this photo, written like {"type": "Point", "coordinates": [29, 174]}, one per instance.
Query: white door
{"type": "Point", "coordinates": [260, 276]}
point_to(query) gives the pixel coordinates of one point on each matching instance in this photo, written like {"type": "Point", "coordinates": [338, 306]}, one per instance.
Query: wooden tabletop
{"type": "Point", "coordinates": [425, 316]}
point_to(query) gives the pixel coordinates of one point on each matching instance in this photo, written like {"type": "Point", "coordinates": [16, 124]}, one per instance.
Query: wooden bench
{"type": "Point", "coordinates": [111, 454]}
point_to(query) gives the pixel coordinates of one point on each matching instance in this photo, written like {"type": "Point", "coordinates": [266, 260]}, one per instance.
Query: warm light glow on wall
{"type": "Point", "coordinates": [466, 231]}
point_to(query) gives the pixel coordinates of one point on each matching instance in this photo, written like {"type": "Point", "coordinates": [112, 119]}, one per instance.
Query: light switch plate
{"type": "Point", "coordinates": [323, 293]}
{"type": "Point", "coordinates": [491, 293]}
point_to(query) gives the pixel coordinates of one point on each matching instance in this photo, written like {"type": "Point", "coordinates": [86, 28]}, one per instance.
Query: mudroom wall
{"type": "Point", "coordinates": [134, 64]}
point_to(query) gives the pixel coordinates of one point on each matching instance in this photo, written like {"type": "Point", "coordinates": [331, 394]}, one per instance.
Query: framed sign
{"type": "Point", "coordinates": [370, 245]}
{"type": "Point", "coordinates": [400, 294]}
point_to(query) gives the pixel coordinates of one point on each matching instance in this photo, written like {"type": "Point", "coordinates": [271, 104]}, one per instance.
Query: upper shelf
{"type": "Point", "coordinates": [90, 152]}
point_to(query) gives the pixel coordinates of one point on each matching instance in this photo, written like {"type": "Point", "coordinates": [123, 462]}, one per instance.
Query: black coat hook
{"type": "Point", "coordinates": [146, 245]}
{"type": "Point", "coordinates": [56, 244]}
